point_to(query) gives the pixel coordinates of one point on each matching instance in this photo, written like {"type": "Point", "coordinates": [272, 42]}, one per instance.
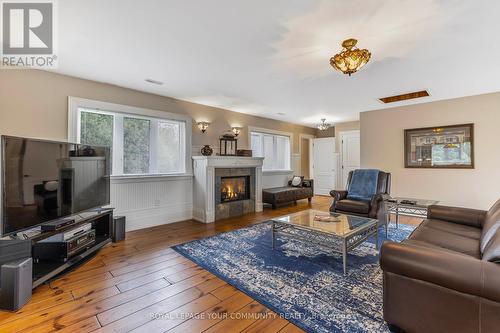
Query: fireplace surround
{"type": "Point", "coordinates": [234, 192]}
{"type": "Point", "coordinates": [210, 178]}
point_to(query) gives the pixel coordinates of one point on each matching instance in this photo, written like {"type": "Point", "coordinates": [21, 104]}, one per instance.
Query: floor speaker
{"type": "Point", "coordinates": [118, 228]}
{"type": "Point", "coordinates": [16, 283]}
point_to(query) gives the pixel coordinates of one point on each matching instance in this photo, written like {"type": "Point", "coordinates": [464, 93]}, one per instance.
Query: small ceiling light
{"type": "Point", "coordinates": [350, 59]}
{"type": "Point", "coordinates": [236, 130]}
{"type": "Point", "coordinates": [203, 125]}
{"type": "Point", "coordinates": [323, 126]}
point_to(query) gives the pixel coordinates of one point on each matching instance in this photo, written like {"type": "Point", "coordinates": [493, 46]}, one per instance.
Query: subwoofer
{"type": "Point", "coordinates": [118, 228]}
{"type": "Point", "coordinates": [16, 283]}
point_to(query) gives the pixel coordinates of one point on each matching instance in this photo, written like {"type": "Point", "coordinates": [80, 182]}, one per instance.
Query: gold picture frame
{"type": "Point", "coordinates": [440, 147]}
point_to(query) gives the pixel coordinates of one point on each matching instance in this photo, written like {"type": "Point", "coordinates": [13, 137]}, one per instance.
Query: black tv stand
{"type": "Point", "coordinates": [101, 220]}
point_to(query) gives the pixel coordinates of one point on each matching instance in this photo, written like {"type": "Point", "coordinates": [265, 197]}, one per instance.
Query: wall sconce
{"type": "Point", "coordinates": [236, 130]}
{"type": "Point", "coordinates": [203, 125]}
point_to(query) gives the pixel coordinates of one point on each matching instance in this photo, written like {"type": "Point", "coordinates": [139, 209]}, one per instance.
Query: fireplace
{"type": "Point", "coordinates": [207, 186]}
{"type": "Point", "coordinates": [234, 192]}
{"type": "Point", "coordinates": [234, 188]}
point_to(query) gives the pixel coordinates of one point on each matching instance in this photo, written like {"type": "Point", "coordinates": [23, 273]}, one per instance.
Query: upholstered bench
{"type": "Point", "coordinates": [278, 196]}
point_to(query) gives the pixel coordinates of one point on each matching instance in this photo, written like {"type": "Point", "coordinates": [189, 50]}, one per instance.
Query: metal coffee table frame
{"type": "Point", "coordinates": [347, 242]}
{"type": "Point", "coordinates": [419, 209]}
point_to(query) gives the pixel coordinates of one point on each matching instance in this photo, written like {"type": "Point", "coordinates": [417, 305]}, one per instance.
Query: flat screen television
{"type": "Point", "coordinates": [44, 181]}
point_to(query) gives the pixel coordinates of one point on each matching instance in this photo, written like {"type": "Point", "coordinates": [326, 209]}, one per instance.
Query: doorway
{"type": "Point", "coordinates": [325, 166]}
{"type": "Point", "coordinates": [306, 155]}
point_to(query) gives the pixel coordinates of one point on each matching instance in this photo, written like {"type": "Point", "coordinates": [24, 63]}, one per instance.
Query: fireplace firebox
{"type": "Point", "coordinates": [234, 188]}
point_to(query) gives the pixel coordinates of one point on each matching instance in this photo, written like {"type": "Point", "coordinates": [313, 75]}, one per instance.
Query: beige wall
{"type": "Point", "coordinates": [341, 127]}
{"type": "Point", "coordinates": [382, 147]}
{"type": "Point", "coordinates": [34, 104]}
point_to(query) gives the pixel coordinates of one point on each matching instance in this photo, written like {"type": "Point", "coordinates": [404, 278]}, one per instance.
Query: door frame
{"type": "Point", "coordinates": [340, 177]}
{"type": "Point", "coordinates": [310, 138]}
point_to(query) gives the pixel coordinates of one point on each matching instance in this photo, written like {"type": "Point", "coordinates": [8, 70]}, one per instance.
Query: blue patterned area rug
{"type": "Point", "coordinates": [300, 281]}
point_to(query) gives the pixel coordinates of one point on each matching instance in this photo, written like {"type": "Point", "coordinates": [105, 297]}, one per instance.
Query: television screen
{"type": "Point", "coordinates": [46, 180]}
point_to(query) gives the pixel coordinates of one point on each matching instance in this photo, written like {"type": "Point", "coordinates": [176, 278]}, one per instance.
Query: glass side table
{"type": "Point", "coordinates": [410, 206]}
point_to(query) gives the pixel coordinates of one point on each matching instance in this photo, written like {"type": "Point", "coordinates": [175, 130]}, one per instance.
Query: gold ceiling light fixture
{"type": "Point", "coordinates": [350, 59]}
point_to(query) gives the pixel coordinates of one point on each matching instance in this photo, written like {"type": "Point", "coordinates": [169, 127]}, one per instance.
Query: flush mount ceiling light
{"type": "Point", "coordinates": [202, 126]}
{"type": "Point", "coordinates": [323, 126]}
{"type": "Point", "coordinates": [350, 59]}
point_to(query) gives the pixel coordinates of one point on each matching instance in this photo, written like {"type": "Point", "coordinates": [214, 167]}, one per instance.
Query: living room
{"type": "Point", "coordinates": [314, 166]}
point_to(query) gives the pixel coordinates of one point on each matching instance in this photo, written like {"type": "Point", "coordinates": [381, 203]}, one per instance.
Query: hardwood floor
{"type": "Point", "coordinates": [134, 283]}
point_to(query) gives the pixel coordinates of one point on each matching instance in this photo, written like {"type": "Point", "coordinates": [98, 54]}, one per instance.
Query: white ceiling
{"type": "Point", "coordinates": [271, 58]}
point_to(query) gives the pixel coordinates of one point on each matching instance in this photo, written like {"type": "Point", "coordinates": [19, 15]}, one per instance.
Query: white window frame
{"type": "Point", "coordinates": [273, 132]}
{"type": "Point", "coordinates": [76, 104]}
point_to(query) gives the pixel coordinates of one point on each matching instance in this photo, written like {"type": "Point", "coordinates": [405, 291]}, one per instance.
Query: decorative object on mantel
{"type": "Point", "coordinates": [206, 150]}
{"type": "Point", "coordinates": [324, 125]}
{"type": "Point", "coordinates": [350, 59]}
{"type": "Point", "coordinates": [236, 130]}
{"type": "Point", "coordinates": [203, 125]}
{"type": "Point", "coordinates": [228, 134]}
{"type": "Point", "coordinates": [87, 151]}
{"type": "Point", "coordinates": [450, 147]}
{"type": "Point", "coordinates": [228, 145]}
{"type": "Point", "coordinates": [244, 152]}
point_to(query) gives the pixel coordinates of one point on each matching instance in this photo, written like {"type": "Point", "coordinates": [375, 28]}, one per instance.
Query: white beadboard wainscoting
{"type": "Point", "coordinates": [275, 178]}
{"type": "Point", "coordinates": [149, 201]}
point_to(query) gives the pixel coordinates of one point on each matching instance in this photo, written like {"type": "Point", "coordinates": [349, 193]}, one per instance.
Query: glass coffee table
{"type": "Point", "coordinates": [338, 232]}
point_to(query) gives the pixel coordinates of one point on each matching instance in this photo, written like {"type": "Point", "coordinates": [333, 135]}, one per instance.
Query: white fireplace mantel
{"type": "Point", "coordinates": [204, 182]}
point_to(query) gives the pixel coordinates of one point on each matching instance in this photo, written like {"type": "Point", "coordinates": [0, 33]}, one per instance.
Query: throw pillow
{"type": "Point", "coordinates": [51, 186]}
{"type": "Point", "coordinates": [297, 181]}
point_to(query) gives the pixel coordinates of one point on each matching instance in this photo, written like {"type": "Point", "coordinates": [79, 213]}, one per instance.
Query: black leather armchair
{"type": "Point", "coordinates": [373, 208]}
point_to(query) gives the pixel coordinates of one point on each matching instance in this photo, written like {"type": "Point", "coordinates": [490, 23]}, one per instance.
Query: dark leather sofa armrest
{"type": "Point", "coordinates": [465, 216]}
{"type": "Point", "coordinates": [444, 268]}
{"type": "Point", "coordinates": [377, 204]}
{"type": "Point", "coordinates": [338, 194]}
{"type": "Point", "coordinates": [378, 198]}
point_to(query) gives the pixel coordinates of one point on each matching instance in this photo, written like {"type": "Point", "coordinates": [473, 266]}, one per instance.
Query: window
{"type": "Point", "coordinates": [274, 148]}
{"type": "Point", "coordinates": [141, 145]}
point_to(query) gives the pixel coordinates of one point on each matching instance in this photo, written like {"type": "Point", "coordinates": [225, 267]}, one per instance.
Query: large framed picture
{"type": "Point", "coordinates": [440, 147]}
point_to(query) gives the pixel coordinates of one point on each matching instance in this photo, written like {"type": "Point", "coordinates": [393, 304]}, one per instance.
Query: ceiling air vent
{"type": "Point", "coordinates": [404, 97]}
{"type": "Point", "coordinates": [154, 82]}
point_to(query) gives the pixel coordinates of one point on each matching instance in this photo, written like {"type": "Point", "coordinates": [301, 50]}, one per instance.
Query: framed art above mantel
{"type": "Point", "coordinates": [440, 147]}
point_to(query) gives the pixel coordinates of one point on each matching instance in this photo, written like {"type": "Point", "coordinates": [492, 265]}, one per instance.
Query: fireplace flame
{"type": "Point", "coordinates": [233, 189]}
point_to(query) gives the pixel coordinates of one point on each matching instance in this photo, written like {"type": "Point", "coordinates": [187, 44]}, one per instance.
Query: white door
{"type": "Point", "coordinates": [324, 165]}
{"type": "Point", "coordinates": [350, 153]}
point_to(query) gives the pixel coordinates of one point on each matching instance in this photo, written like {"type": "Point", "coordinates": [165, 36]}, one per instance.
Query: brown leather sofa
{"type": "Point", "coordinates": [446, 276]}
{"type": "Point", "coordinates": [278, 196]}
